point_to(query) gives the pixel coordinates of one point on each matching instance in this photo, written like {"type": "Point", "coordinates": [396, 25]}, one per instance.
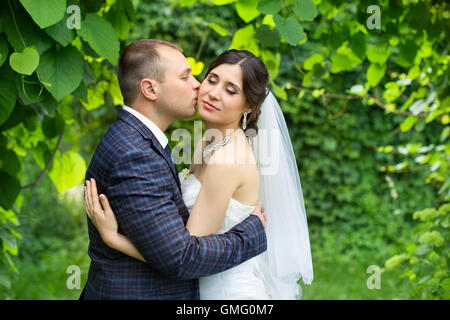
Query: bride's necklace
{"type": "Point", "coordinates": [210, 149]}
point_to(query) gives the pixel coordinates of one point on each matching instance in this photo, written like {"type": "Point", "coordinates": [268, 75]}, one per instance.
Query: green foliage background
{"type": "Point", "coordinates": [367, 110]}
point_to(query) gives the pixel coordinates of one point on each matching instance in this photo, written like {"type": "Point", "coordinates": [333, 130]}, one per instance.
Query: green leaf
{"type": "Point", "coordinates": [92, 5]}
{"type": "Point", "coordinates": [114, 91]}
{"type": "Point", "coordinates": [196, 66]}
{"type": "Point", "coordinates": [395, 261]}
{"type": "Point", "coordinates": [358, 43]}
{"type": "Point", "coordinates": [268, 21]}
{"type": "Point", "coordinates": [433, 238]}
{"type": "Point", "coordinates": [379, 53]}
{"type": "Point", "coordinates": [222, 2]}
{"type": "Point", "coordinates": [10, 245]}
{"type": "Point", "coordinates": [426, 214]}
{"type": "Point", "coordinates": [121, 16]}
{"type": "Point", "coordinates": [60, 33]}
{"type": "Point", "coordinates": [408, 123]}
{"type": "Point", "coordinates": [278, 91]}
{"type": "Point", "coordinates": [10, 163]}
{"type": "Point", "coordinates": [268, 37]}
{"type": "Point", "coordinates": [30, 33]}
{"type": "Point", "coordinates": [311, 61]}
{"type": "Point", "coordinates": [9, 262]}
{"type": "Point", "coordinates": [185, 3]}
{"type": "Point", "coordinates": [8, 93]}
{"type": "Point", "coordinates": [391, 92]}
{"type": "Point", "coordinates": [375, 73]}
{"type": "Point", "coordinates": [272, 62]}
{"type": "Point", "coordinates": [61, 70]}
{"type": "Point", "coordinates": [307, 78]}
{"type": "Point", "coordinates": [101, 36]}
{"type": "Point", "coordinates": [269, 6]}
{"type": "Point", "coordinates": [290, 29]}
{"type": "Point", "coordinates": [305, 9]}
{"type": "Point", "coordinates": [31, 121]}
{"type": "Point", "coordinates": [340, 63]}
{"type": "Point", "coordinates": [414, 72]}
{"type": "Point", "coordinates": [15, 222]}
{"type": "Point", "coordinates": [219, 29]}
{"type": "Point", "coordinates": [9, 215]}
{"type": "Point", "coordinates": [29, 89]}
{"type": "Point", "coordinates": [53, 126]}
{"type": "Point", "coordinates": [408, 51]}
{"type": "Point", "coordinates": [25, 62]}
{"type": "Point", "coordinates": [45, 12]}
{"type": "Point", "coordinates": [423, 250]}
{"type": "Point", "coordinates": [10, 187]}
{"type": "Point", "coordinates": [5, 282]}
{"type": "Point", "coordinates": [246, 9]}
{"type": "Point", "coordinates": [49, 103]}
{"type": "Point", "coordinates": [120, 23]}
{"type": "Point", "coordinates": [244, 39]}
{"type": "Point", "coordinates": [67, 170]}
{"type": "Point", "coordinates": [16, 117]}
{"type": "Point", "coordinates": [318, 92]}
{"type": "Point", "coordinates": [41, 154]}
{"type": "Point", "coordinates": [446, 284]}
{"type": "Point", "coordinates": [81, 91]}
{"type": "Point", "coordinates": [95, 97]}
{"type": "Point", "coordinates": [3, 49]}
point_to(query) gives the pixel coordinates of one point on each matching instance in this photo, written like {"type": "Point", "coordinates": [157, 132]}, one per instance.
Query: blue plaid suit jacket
{"type": "Point", "coordinates": [132, 169]}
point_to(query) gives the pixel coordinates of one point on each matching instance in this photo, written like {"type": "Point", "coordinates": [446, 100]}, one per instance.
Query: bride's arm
{"type": "Point", "coordinates": [219, 182]}
{"type": "Point", "coordinates": [106, 223]}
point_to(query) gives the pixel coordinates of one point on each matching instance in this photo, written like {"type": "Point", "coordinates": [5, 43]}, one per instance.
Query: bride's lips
{"type": "Point", "coordinates": [209, 106]}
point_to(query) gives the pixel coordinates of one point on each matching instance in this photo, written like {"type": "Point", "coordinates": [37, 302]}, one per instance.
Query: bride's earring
{"type": "Point", "coordinates": [244, 122]}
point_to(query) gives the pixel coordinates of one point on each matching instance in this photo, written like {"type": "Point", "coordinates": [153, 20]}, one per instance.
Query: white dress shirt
{"type": "Point", "coordinates": [159, 134]}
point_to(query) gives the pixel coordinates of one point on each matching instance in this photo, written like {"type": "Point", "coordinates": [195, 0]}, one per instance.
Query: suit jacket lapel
{"type": "Point", "coordinates": [148, 135]}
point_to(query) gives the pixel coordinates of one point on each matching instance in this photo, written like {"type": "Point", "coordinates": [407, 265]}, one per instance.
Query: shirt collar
{"type": "Point", "coordinates": [159, 134]}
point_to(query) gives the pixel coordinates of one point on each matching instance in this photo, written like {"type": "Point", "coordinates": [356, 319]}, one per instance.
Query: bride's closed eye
{"type": "Point", "coordinates": [212, 81]}
{"type": "Point", "coordinates": [231, 92]}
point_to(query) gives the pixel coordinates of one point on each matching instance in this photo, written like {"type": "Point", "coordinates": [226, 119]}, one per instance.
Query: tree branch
{"type": "Point", "coordinates": [354, 97]}
{"type": "Point", "coordinates": [47, 165]}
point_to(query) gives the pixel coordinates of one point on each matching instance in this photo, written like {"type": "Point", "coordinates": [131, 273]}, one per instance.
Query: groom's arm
{"type": "Point", "coordinates": [140, 193]}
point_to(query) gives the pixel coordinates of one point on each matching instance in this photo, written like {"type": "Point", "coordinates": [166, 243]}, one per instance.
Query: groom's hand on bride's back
{"type": "Point", "coordinates": [259, 210]}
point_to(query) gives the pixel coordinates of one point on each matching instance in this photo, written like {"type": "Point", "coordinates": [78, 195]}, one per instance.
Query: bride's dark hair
{"type": "Point", "coordinates": [255, 81]}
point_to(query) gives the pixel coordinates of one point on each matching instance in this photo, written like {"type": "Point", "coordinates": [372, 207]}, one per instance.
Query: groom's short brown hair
{"type": "Point", "coordinates": [140, 60]}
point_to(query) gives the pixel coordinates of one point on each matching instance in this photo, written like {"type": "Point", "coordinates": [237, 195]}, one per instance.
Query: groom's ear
{"type": "Point", "coordinates": [149, 89]}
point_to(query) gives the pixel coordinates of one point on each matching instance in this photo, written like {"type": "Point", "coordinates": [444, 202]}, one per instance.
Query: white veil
{"type": "Point", "coordinates": [288, 255]}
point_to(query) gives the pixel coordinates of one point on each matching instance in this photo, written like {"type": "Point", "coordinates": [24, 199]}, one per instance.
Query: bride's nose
{"type": "Point", "coordinates": [214, 93]}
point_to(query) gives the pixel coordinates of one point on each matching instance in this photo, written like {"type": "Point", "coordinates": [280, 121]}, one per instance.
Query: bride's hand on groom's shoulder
{"type": "Point", "coordinates": [100, 212]}
{"type": "Point", "coordinates": [259, 210]}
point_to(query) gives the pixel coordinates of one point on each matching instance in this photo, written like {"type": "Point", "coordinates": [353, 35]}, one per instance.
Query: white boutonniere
{"type": "Point", "coordinates": [184, 174]}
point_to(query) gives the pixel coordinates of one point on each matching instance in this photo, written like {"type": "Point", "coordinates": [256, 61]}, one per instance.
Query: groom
{"type": "Point", "coordinates": [132, 166]}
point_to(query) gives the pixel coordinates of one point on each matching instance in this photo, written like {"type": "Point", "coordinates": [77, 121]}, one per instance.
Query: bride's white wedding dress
{"type": "Point", "coordinates": [243, 282]}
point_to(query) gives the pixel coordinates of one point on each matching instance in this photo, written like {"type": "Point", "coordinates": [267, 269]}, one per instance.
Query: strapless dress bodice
{"type": "Point", "coordinates": [243, 282]}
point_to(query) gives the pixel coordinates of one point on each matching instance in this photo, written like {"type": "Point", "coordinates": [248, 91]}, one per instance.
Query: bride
{"type": "Point", "coordinates": [246, 155]}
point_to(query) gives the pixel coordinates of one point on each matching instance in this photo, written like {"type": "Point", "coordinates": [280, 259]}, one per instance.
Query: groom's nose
{"type": "Point", "coordinates": [196, 84]}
